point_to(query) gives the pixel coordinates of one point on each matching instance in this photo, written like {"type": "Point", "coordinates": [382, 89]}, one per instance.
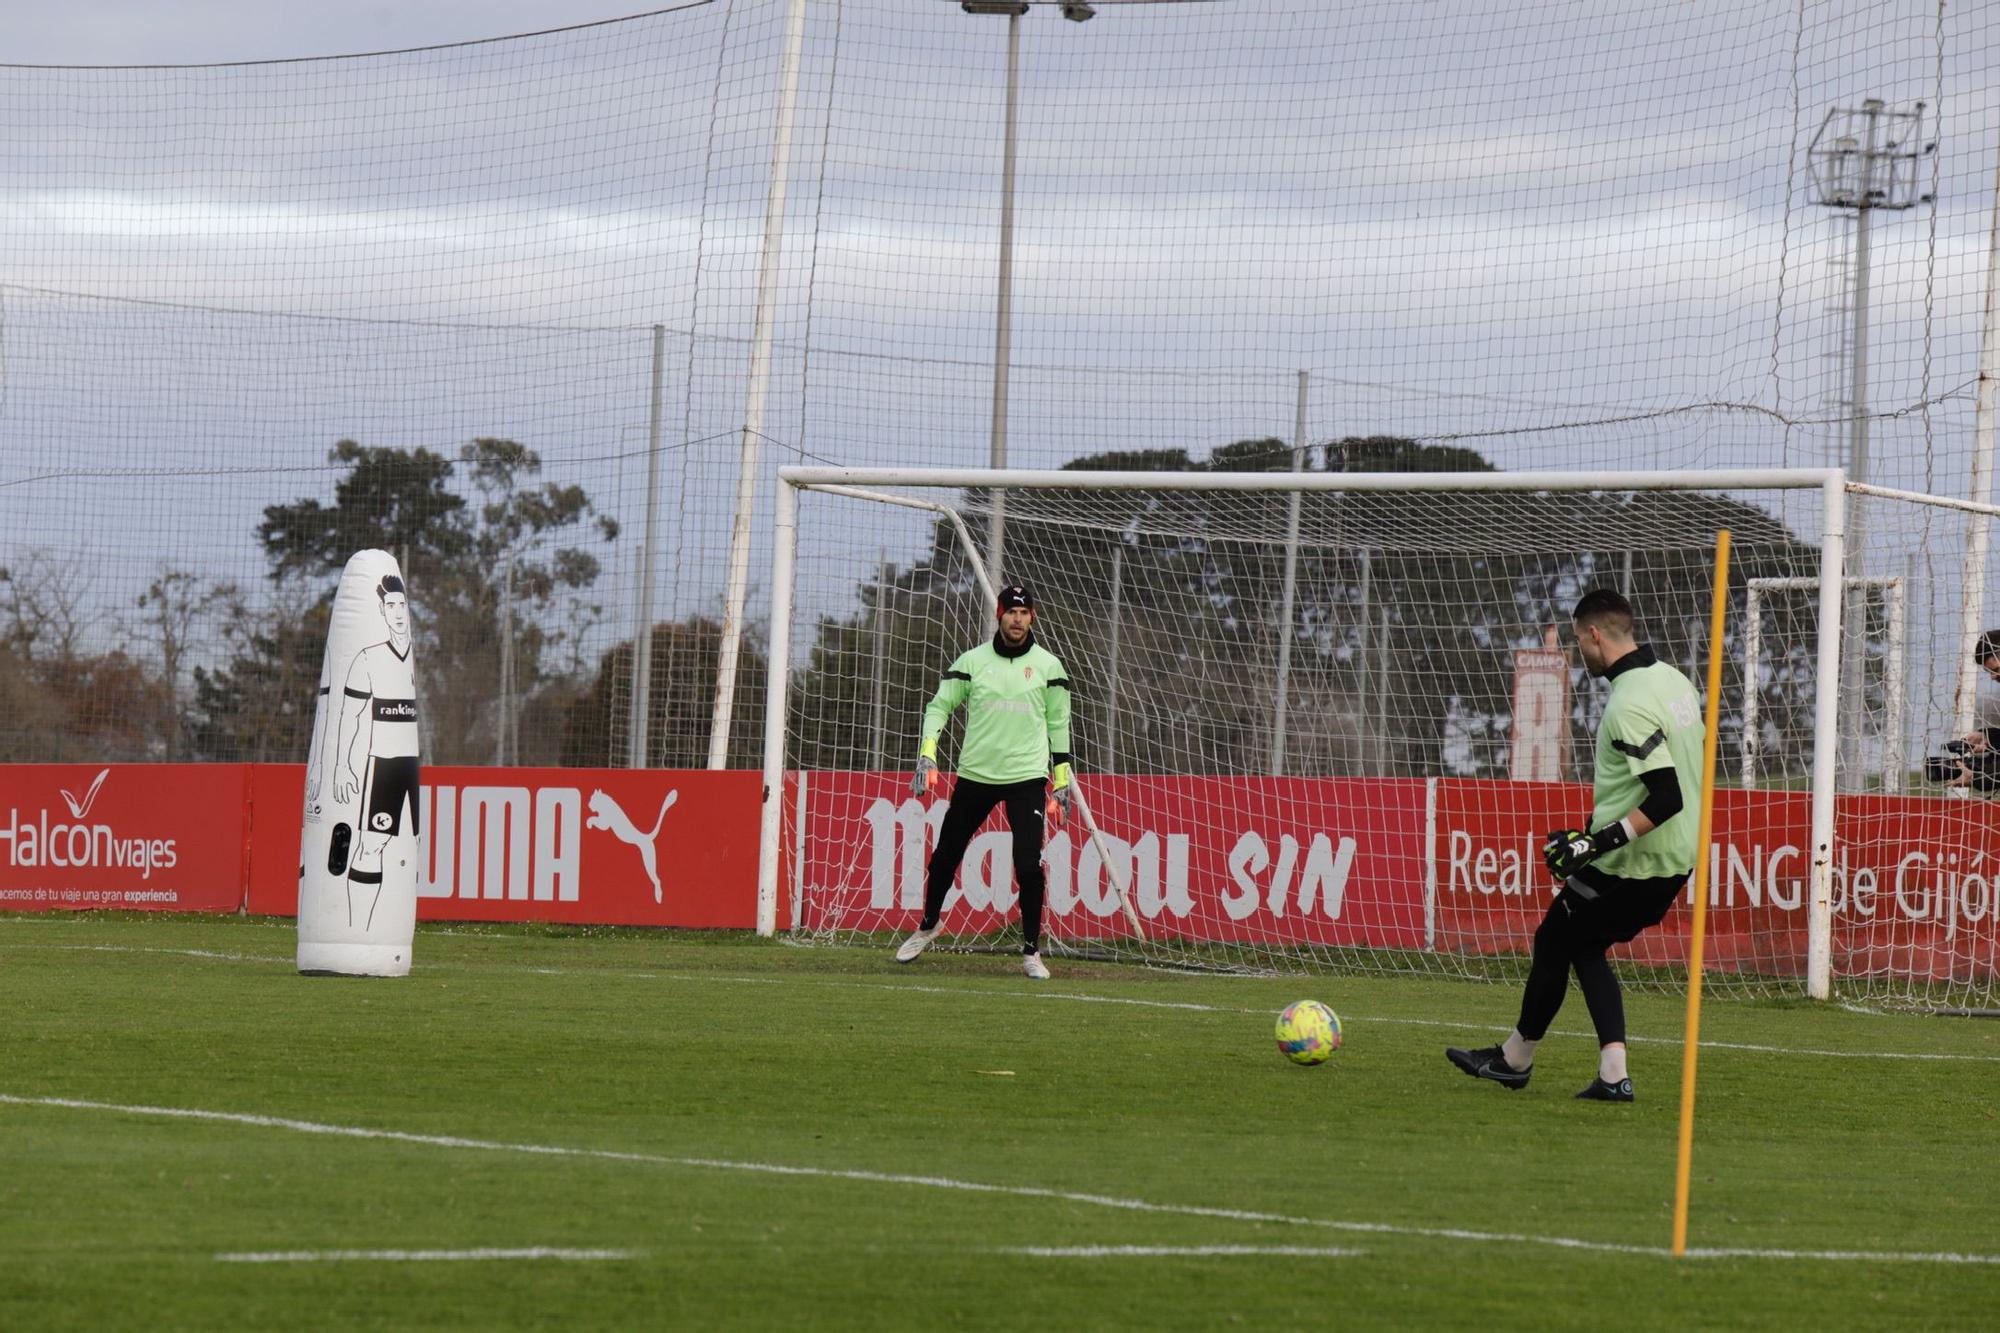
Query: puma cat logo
{"type": "Point", "coordinates": [605, 814]}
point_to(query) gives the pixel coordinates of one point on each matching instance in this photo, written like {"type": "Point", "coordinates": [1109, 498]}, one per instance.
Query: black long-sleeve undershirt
{"type": "Point", "coordinates": [1663, 795]}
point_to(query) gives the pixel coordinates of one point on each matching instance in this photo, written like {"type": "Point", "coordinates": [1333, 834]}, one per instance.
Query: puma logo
{"type": "Point", "coordinates": [605, 814]}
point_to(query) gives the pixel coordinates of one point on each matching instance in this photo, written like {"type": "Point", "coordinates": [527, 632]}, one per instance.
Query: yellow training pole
{"type": "Point", "coordinates": [1690, 1044]}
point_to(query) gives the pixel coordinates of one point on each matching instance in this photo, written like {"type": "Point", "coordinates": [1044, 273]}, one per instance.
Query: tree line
{"type": "Point", "coordinates": [1166, 605]}
{"type": "Point", "coordinates": [502, 567]}
{"type": "Point", "coordinates": [1406, 611]}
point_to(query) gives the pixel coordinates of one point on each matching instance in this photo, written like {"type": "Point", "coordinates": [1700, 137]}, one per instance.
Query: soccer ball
{"type": "Point", "coordinates": [1308, 1032]}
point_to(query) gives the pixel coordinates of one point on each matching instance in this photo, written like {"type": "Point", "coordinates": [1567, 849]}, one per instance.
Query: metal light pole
{"type": "Point", "coordinates": [1863, 159]}
{"type": "Point", "coordinates": [1003, 326]}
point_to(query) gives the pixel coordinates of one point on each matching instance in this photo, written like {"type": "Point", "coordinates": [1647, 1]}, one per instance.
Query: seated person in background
{"type": "Point", "coordinates": [1974, 759]}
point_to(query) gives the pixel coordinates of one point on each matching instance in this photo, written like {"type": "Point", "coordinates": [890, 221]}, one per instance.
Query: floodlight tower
{"type": "Point", "coordinates": [1863, 159]}
{"type": "Point", "coordinates": [1076, 11]}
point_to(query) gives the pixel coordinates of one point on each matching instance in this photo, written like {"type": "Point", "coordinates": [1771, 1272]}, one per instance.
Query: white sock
{"type": "Point", "coordinates": [1518, 1051]}
{"type": "Point", "coordinates": [1611, 1063]}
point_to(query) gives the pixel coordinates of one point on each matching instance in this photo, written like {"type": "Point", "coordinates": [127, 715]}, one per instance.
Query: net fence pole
{"type": "Point", "coordinates": [1753, 652]}
{"type": "Point", "coordinates": [1894, 683]}
{"type": "Point", "coordinates": [503, 737]}
{"type": "Point", "coordinates": [878, 660]}
{"type": "Point", "coordinates": [1978, 530]}
{"type": "Point", "coordinates": [642, 615]}
{"type": "Point", "coordinates": [1290, 593]}
{"type": "Point", "coordinates": [737, 588]}
{"type": "Point", "coordinates": [1111, 659]}
{"type": "Point", "coordinates": [1364, 619]}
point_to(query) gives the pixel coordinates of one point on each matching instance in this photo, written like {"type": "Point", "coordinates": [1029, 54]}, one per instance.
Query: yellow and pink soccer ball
{"type": "Point", "coordinates": [1308, 1032]}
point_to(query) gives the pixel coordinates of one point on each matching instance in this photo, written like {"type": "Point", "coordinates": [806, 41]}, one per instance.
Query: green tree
{"type": "Point", "coordinates": [498, 567]}
{"type": "Point", "coordinates": [685, 656]}
{"type": "Point", "coordinates": [258, 705]}
{"type": "Point", "coordinates": [175, 608]}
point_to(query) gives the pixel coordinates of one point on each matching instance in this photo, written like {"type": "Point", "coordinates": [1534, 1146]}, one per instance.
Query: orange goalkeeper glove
{"type": "Point", "coordinates": [924, 781]}
{"type": "Point", "coordinates": [1060, 796]}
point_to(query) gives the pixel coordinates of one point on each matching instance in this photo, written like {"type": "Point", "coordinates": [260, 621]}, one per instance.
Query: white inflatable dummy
{"type": "Point", "coordinates": [358, 852]}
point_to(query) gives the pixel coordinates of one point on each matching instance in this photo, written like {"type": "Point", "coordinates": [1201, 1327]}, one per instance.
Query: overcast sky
{"type": "Point", "coordinates": [1487, 220]}
{"type": "Point", "coordinates": [172, 32]}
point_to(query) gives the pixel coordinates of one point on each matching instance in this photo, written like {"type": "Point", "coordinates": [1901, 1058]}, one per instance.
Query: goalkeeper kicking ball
{"type": "Point", "coordinates": [1308, 1032]}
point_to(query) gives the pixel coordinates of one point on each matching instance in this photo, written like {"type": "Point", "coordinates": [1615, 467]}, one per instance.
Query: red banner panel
{"type": "Point", "coordinates": [1914, 887]}
{"type": "Point", "coordinates": [1324, 861]}
{"type": "Point", "coordinates": [613, 846]}
{"type": "Point", "coordinates": [1384, 863]}
{"type": "Point", "coordinates": [159, 837]}
{"type": "Point", "coordinates": [1912, 890]}
{"type": "Point", "coordinates": [1492, 887]}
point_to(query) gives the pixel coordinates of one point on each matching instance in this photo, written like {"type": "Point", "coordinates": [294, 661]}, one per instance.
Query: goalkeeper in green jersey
{"type": "Point", "coordinates": [1621, 874]}
{"type": "Point", "coordinates": [1015, 753]}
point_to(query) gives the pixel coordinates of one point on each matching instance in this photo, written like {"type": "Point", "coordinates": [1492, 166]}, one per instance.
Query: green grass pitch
{"type": "Point", "coordinates": [619, 1129]}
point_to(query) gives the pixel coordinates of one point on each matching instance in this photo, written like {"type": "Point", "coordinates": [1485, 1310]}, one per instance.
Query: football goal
{"type": "Point", "coordinates": [1323, 720]}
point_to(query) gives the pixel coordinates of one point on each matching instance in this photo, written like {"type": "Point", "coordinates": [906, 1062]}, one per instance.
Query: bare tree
{"type": "Point", "coordinates": [177, 607]}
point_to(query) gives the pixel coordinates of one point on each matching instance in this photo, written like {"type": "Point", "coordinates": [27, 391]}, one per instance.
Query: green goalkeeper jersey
{"type": "Point", "coordinates": [1653, 721]}
{"type": "Point", "coordinates": [1016, 712]}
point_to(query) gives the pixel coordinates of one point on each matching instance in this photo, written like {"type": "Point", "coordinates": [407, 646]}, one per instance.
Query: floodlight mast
{"type": "Point", "coordinates": [1863, 159]}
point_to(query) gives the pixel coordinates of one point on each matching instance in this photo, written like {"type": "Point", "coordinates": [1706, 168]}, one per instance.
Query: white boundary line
{"type": "Point", "coordinates": [1109, 1201]}
{"type": "Point", "coordinates": [1025, 993]}
{"type": "Point", "coordinates": [1177, 1251]}
{"type": "Point", "coordinates": [415, 1256]}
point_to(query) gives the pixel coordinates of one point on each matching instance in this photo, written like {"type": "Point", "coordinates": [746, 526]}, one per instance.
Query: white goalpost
{"type": "Point", "coordinates": [1293, 717]}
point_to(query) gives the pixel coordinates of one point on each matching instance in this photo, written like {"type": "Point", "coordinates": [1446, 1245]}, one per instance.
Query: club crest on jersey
{"type": "Point", "coordinates": [1028, 672]}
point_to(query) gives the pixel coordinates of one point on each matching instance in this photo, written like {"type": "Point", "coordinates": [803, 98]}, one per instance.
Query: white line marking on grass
{"type": "Point", "coordinates": [1178, 1251]}
{"type": "Point", "coordinates": [414, 1256]}
{"type": "Point", "coordinates": [179, 953]}
{"type": "Point", "coordinates": [1111, 1201]}
{"type": "Point", "coordinates": [174, 953]}
{"type": "Point", "coordinates": [1027, 993]}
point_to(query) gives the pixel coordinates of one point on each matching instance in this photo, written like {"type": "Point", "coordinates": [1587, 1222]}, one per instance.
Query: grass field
{"type": "Point", "coordinates": [544, 1129]}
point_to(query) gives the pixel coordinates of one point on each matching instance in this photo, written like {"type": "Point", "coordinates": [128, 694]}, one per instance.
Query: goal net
{"type": "Point", "coordinates": [1324, 720]}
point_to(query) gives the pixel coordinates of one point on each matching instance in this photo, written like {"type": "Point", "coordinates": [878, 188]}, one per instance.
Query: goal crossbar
{"type": "Point", "coordinates": [1782, 479]}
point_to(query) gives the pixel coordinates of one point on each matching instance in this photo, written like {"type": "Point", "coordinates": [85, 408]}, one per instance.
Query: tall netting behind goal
{"type": "Point", "coordinates": [1917, 851]}
{"type": "Point", "coordinates": [1322, 721]}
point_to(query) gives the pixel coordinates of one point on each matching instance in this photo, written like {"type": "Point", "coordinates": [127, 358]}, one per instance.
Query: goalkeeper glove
{"type": "Point", "coordinates": [1060, 796]}
{"type": "Point", "coordinates": [924, 781]}
{"type": "Point", "coordinates": [1570, 850]}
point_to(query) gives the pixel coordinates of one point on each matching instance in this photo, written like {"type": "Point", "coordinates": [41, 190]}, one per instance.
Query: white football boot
{"type": "Point", "coordinates": [907, 951]}
{"type": "Point", "coordinates": [1033, 965]}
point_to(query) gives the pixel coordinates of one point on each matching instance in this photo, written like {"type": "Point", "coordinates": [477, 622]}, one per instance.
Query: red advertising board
{"type": "Point", "coordinates": [1325, 861]}
{"type": "Point", "coordinates": [159, 837]}
{"type": "Point", "coordinates": [1912, 889]}
{"type": "Point", "coordinates": [626, 847]}
{"type": "Point", "coordinates": [1442, 864]}
{"type": "Point", "coordinates": [1439, 864]}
